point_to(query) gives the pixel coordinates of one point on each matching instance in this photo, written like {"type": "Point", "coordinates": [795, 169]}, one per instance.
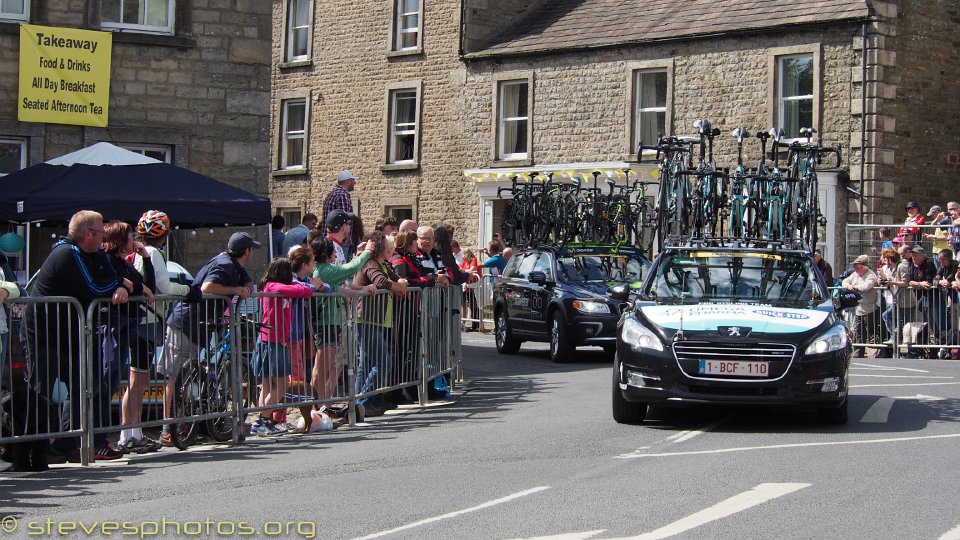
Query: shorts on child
{"type": "Point", "coordinates": [270, 360]}
{"type": "Point", "coordinates": [178, 349]}
{"type": "Point", "coordinates": [328, 334]}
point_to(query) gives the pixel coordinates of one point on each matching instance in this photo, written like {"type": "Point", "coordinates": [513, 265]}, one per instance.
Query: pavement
{"type": "Point", "coordinates": [528, 449]}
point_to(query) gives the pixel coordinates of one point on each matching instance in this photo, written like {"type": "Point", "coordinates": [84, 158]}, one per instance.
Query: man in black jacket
{"type": "Point", "coordinates": [923, 277]}
{"type": "Point", "coordinates": [77, 268]}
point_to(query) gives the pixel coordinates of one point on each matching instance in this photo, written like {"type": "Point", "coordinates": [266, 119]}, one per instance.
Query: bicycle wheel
{"type": "Point", "coordinates": [220, 399]}
{"type": "Point", "coordinates": [186, 402]}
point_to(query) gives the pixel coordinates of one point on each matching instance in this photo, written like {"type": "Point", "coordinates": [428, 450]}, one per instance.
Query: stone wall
{"type": "Point", "coordinates": [205, 92]}
{"type": "Point", "coordinates": [915, 99]}
{"type": "Point", "coordinates": [347, 81]}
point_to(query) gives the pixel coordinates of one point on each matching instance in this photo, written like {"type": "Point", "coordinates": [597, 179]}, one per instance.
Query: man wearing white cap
{"type": "Point", "coordinates": [339, 197]}
{"type": "Point", "coordinates": [863, 280]}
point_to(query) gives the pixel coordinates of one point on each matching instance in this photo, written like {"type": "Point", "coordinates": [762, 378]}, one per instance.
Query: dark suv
{"type": "Point", "coordinates": [559, 295]}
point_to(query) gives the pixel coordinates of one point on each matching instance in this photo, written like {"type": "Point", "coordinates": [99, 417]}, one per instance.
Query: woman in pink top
{"type": "Point", "coordinates": [271, 356]}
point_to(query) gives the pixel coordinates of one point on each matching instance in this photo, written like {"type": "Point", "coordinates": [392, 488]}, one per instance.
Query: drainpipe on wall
{"type": "Point", "coordinates": [463, 26]}
{"type": "Point", "coordinates": [863, 117]}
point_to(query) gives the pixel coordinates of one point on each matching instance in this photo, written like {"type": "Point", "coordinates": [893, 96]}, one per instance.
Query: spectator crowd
{"type": "Point", "coordinates": [109, 263]}
{"type": "Point", "coordinates": [909, 292]}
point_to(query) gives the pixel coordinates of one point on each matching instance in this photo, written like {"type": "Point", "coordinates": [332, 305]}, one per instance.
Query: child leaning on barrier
{"type": "Point", "coordinates": [271, 356]}
{"type": "Point", "coordinates": [328, 316]}
{"type": "Point", "coordinates": [302, 262]}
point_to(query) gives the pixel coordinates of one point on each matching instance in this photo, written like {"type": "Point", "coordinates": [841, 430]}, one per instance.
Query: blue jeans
{"type": "Point", "coordinates": [895, 317]}
{"type": "Point", "coordinates": [373, 367]}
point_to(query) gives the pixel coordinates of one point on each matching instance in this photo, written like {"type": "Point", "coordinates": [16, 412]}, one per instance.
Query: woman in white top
{"type": "Point", "coordinates": [152, 230]}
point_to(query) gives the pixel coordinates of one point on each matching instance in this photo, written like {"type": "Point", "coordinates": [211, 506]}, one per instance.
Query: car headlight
{"type": "Point", "coordinates": [590, 306]}
{"type": "Point", "coordinates": [638, 336]}
{"type": "Point", "coordinates": [833, 339]}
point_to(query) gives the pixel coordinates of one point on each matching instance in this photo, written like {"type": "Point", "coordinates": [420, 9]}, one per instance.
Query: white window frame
{"type": "Point", "coordinates": [144, 149]}
{"type": "Point", "coordinates": [503, 120]}
{"type": "Point", "coordinates": [143, 28]}
{"type": "Point", "coordinates": [19, 17]}
{"type": "Point", "coordinates": [287, 135]}
{"type": "Point", "coordinates": [784, 100]}
{"type": "Point", "coordinates": [398, 129]}
{"type": "Point", "coordinates": [293, 26]}
{"type": "Point", "coordinates": [23, 151]}
{"type": "Point", "coordinates": [640, 109]}
{"type": "Point", "coordinates": [775, 105]}
{"type": "Point", "coordinates": [399, 30]}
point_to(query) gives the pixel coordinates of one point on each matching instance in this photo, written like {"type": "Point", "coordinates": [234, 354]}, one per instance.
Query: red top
{"type": "Point", "coordinates": [278, 312]}
{"type": "Point", "coordinates": [472, 266]}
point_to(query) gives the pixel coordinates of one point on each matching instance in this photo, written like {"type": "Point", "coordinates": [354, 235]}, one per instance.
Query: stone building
{"type": "Point", "coordinates": [438, 103]}
{"type": "Point", "coordinates": [189, 84]}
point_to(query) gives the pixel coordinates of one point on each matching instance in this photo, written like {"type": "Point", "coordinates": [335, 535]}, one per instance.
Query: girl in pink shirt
{"type": "Point", "coordinates": [271, 356]}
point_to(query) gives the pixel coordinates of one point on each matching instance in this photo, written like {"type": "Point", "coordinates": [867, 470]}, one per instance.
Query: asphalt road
{"type": "Point", "coordinates": [528, 448]}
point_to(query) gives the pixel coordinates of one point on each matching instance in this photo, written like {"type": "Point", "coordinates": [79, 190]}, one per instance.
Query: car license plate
{"type": "Point", "coordinates": [734, 368]}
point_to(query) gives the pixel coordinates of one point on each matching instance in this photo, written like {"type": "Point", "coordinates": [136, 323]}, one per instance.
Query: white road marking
{"type": "Point", "coordinates": [691, 433]}
{"type": "Point", "coordinates": [920, 397]}
{"type": "Point", "coordinates": [858, 375]}
{"type": "Point", "coordinates": [952, 534]}
{"type": "Point", "coordinates": [879, 412]}
{"type": "Point", "coordinates": [570, 536]}
{"type": "Point", "coordinates": [738, 503]}
{"type": "Point", "coordinates": [904, 384]}
{"type": "Point", "coordinates": [792, 445]}
{"type": "Point", "coordinates": [884, 368]}
{"type": "Point", "coordinates": [434, 519]}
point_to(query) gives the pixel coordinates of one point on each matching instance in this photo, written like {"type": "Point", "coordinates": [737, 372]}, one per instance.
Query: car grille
{"type": "Point", "coordinates": [734, 390]}
{"type": "Point", "coordinates": [704, 350]}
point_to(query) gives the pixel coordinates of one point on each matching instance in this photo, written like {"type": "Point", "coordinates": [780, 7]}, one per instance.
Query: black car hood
{"type": "Point", "coordinates": [589, 289]}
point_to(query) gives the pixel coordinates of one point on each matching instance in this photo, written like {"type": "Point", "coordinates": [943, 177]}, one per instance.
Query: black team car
{"type": "Point", "coordinates": [559, 295]}
{"type": "Point", "coordinates": [738, 326]}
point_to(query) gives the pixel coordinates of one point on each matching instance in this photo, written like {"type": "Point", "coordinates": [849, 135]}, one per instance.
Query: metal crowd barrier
{"type": "Point", "coordinates": [913, 323]}
{"type": "Point", "coordinates": [43, 375]}
{"type": "Point", "coordinates": [70, 374]}
{"type": "Point", "coordinates": [477, 308]}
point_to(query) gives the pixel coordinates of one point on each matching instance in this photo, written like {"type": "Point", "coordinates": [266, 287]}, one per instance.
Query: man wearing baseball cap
{"type": "Point", "coordinates": [188, 322]}
{"type": "Point", "coordinates": [939, 236]}
{"type": "Point", "coordinates": [339, 197]}
{"type": "Point", "coordinates": [863, 280]}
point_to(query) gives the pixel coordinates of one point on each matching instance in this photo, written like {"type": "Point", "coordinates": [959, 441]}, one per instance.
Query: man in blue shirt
{"type": "Point", "coordinates": [224, 275]}
{"type": "Point", "coordinates": [496, 261]}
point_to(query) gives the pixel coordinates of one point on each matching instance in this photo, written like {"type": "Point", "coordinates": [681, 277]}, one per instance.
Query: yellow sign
{"type": "Point", "coordinates": [64, 75]}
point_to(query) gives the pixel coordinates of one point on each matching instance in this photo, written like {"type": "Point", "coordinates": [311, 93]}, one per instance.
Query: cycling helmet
{"type": "Point", "coordinates": [153, 224]}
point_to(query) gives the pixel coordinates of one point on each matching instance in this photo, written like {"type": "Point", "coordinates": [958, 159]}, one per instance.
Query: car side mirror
{"type": "Point", "coordinates": [620, 292]}
{"type": "Point", "coordinates": [538, 278]}
{"type": "Point", "coordinates": [848, 299]}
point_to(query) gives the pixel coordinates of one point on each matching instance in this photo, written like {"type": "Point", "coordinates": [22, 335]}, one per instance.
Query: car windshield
{"type": "Point", "coordinates": [602, 268]}
{"type": "Point", "coordinates": [760, 278]}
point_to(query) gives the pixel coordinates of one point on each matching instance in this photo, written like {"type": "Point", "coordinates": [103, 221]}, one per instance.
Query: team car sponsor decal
{"type": "Point", "coordinates": [764, 319]}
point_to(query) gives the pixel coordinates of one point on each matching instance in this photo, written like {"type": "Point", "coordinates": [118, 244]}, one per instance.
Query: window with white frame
{"type": "Point", "coordinates": [15, 10]}
{"type": "Point", "coordinates": [650, 105]}
{"type": "Point", "coordinates": [298, 30]}
{"type": "Point", "coordinates": [148, 16]}
{"type": "Point", "coordinates": [13, 155]}
{"type": "Point", "coordinates": [795, 84]}
{"type": "Point", "coordinates": [402, 144]}
{"type": "Point", "coordinates": [406, 33]}
{"type": "Point", "coordinates": [293, 133]}
{"type": "Point", "coordinates": [513, 121]}
{"type": "Point", "coordinates": [157, 152]}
